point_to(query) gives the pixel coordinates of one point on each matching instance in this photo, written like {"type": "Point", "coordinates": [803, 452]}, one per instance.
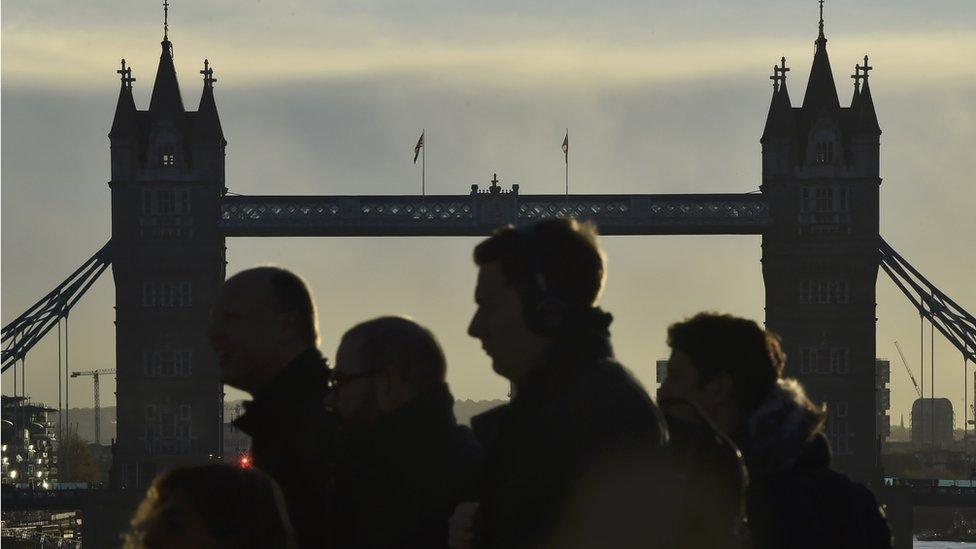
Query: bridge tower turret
{"type": "Point", "coordinates": [168, 263]}
{"type": "Point", "coordinates": [820, 258]}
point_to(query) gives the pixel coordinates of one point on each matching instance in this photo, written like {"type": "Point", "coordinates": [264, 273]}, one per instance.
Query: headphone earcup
{"type": "Point", "coordinates": [547, 318]}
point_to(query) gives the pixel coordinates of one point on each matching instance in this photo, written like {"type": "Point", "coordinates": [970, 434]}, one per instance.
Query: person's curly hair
{"type": "Point", "coordinates": [721, 343]}
{"type": "Point", "coordinates": [239, 508]}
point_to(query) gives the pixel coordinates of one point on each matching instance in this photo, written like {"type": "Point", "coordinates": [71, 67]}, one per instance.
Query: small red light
{"type": "Point", "coordinates": [244, 462]}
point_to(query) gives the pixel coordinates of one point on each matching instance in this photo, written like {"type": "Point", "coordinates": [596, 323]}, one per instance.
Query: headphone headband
{"type": "Point", "coordinates": [545, 314]}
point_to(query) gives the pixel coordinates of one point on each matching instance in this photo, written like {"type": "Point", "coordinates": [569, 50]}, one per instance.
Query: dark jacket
{"type": "Point", "coordinates": [796, 501]}
{"type": "Point", "coordinates": [567, 461]}
{"type": "Point", "coordinates": [397, 483]}
{"type": "Point", "coordinates": [290, 433]}
{"type": "Point", "coordinates": [715, 480]}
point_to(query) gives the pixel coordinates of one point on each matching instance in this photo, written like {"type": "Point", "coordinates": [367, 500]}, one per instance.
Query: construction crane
{"type": "Point", "coordinates": [905, 362]}
{"type": "Point", "coordinates": [98, 420]}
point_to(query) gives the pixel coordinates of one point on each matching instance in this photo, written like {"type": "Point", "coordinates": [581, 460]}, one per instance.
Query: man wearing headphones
{"type": "Point", "coordinates": [570, 460]}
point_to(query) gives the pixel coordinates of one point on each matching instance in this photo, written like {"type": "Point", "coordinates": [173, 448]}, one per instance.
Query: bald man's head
{"type": "Point", "coordinates": [287, 292]}
{"type": "Point", "coordinates": [263, 317]}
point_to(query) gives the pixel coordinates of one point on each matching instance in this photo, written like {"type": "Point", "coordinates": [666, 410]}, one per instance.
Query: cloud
{"type": "Point", "coordinates": [662, 97]}
{"type": "Point", "coordinates": [85, 57]}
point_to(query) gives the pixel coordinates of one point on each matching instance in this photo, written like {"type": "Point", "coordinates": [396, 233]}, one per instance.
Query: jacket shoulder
{"type": "Point", "coordinates": [862, 515]}
{"type": "Point", "coordinates": [609, 389]}
{"type": "Point", "coordinates": [600, 404]}
{"type": "Point", "coordinates": [484, 426]}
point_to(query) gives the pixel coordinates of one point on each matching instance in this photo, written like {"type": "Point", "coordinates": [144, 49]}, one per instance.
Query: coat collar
{"type": "Point", "coordinates": [432, 411]}
{"type": "Point", "coordinates": [585, 340]}
{"type": "Point", "coordinates": [785, 433]}
{"type": "Point", "coordinates": [305, 377]}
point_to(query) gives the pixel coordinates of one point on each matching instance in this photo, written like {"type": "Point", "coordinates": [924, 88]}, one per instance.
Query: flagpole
{"type": "Point", "coordinates": [423, 164]}
{"type": "Point", "coordinates": [567, 166]}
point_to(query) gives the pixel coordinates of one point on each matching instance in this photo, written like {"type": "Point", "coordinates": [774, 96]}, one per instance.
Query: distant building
{"type": "Point", "coordinates": [236, 443]}
{"type": "Point", "coordinates": [932, 422]}
{"type": "Point", "coordinates": [662, 371]}
{"type": "Point", "coordinates": [882, 376]}
{"type": "Point", "coordinates": [28, 456]}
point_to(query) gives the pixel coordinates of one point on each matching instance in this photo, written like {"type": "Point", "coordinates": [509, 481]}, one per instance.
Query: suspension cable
{"type": "Point", "coordinates": [60, 410]}
{"type": "Point", "coordinates": [15, 378]}
{"type": "Point", "coordinates": [67, 413]}
{"type": "Point", "coordinates": [921, 368]}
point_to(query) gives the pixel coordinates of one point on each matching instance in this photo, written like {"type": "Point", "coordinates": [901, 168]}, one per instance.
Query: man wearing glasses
{"type": "Point", "coordinates": [401, 461]}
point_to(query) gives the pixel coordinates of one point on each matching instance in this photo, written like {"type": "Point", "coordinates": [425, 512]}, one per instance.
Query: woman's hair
{"type": "Point", "coordinates": [239, 508]}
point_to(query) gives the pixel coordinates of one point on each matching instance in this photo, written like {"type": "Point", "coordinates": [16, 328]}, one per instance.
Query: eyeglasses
{"type": "Point", "coordinates": [339, 379]}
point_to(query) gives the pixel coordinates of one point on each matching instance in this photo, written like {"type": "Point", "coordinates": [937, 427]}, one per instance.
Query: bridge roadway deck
{"type": "Point", "coordinates": [481, 212]}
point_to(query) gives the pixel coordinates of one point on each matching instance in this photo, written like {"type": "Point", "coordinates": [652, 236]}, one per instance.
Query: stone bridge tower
{"type": "Point", "coordinates": [168, 263]}
{"type": "Point", "coordinates": [820, 260]}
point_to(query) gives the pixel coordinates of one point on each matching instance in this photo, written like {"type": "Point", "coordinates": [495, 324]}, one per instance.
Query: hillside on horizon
{"type": "Point", "coordinates": [83, 419]}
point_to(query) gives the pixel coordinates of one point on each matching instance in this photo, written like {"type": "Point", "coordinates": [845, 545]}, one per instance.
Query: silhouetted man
{"type": "Point", "coordinates": [732, 369]}
{"type": "Point", "coordinates": [265, 334]}
{"type": "Point", "coordinates": [402, 463]}
{"type": "Point", "coordinates": [567, 459]}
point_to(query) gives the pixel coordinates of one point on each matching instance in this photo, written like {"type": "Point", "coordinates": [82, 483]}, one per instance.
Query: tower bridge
{"type": "Point", "coordinates": [817, 210]}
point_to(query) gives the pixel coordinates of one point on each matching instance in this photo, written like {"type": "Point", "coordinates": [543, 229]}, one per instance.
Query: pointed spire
{"type": "Point", "coordinates": [166, 98]}
{"type": "Point", "coordinates": [207, 118]}
{"type": "Point", "coordinates": [857, 85]}
{"type": "Point", "coordinates": [821, 37]}
{"type": "Point", "coordinates": [821, 90]}
{"type": "Point", "coordinates": [124, 122]}
{"type": "Point", "coordinates": [866, 117]}
{"type": "Point", "coordinates": [779, 120]}
{"type": "Point", "coordinates": [207, 72]}
{"type": "Point", "coordinates": [779, 75]}
{"type": "Point", "coordinates": [866, 68]}
{"type": "Point", "coordinates": [166, 20]}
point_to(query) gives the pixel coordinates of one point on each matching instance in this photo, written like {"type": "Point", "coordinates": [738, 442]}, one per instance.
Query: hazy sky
{"type": "Point", "coordinates": [329, 98]}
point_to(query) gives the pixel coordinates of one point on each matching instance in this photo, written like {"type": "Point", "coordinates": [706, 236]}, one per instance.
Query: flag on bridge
{"type": "Point", "coordinates": [566, 147]}
{"type": "Point", "coordinates": [566, 155]}
{"type": "Point", "coordinates": [420, 145]}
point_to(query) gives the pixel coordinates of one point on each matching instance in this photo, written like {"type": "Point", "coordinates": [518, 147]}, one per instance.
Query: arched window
{"type": "Point", "coordinates": [167, 156]}
{"type": "Point", "coordinates": [825, 152]}
{"type": "Point", "coordinates": [163, 147]}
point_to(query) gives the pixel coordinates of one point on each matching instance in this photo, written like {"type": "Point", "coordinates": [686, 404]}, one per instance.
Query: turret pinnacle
{"type": "Point", "coordinates": [207, 118]}
{"type": "Point", "coordinates": [857, 85]}
{"type": "Point", "coordinates": [124, 122]}
{"type": "Point", "coordinates": [779, 120]}
{"type": "Point", "coordinates": [866, 117]}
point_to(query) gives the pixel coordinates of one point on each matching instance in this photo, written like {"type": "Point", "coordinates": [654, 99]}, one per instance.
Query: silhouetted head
{"type": "Point", "coordinates": [263, 318]}
{"type": "Point", "coordinates": [724, 364]}
{"type": "Point", "coordinates": [382, 364]}
{"type": "Point", "coordinates": [211, 507]}
{"type": "Point", "coordinates": [531, 282]}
